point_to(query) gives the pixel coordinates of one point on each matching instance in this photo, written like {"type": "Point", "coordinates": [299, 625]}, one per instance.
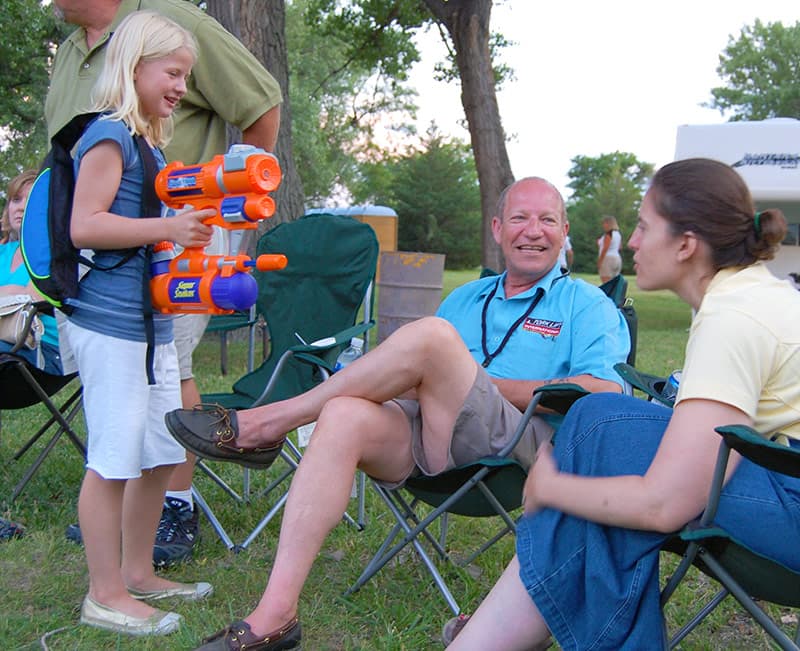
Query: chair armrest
{"type": "Point", "coordinates": [652, 385]}
{"type": "Point", "coordinates": [747, 442]}
{"type": "Point", "coordinates": [769, 454]}
{"type": "Point", "coordinates": [552, 396]}
{"type": "Point", "coordinates": [316, 352]}
{"type": "Point", "coordinates": [228, 322]}
{"type": "Point", "coordinates": [30, 312]}
{"type": "Point", "coordinates": [560, 397]}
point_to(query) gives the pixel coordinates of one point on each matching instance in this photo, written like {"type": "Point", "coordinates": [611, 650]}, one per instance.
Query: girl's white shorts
{"type": "Point", "coordinates": [125, 415]}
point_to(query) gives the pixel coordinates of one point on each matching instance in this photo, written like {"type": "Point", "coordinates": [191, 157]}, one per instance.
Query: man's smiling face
{"type": "Point", "coordinates": [531, 230]}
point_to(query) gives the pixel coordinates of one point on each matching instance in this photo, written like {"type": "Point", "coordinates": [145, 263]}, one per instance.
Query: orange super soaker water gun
{"type": "Point", "coordinates": [236, 186]}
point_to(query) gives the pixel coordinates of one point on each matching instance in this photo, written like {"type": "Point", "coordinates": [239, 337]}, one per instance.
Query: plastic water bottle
{"type": "Point", "coordinates": [670, 390]}
{"type": "Point", "coordinates": [349, 354]}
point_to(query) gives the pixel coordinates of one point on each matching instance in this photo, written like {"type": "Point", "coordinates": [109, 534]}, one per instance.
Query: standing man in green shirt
{"type": "Point", "coordinates": [227, 85]}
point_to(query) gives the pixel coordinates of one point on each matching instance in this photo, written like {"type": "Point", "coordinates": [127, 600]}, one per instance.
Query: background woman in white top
{"type": "Point", "coordinates": [609, 260]}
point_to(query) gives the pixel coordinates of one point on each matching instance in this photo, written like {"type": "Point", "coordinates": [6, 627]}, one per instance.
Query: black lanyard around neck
{"type": "Point", "coordinates": [487, 356]}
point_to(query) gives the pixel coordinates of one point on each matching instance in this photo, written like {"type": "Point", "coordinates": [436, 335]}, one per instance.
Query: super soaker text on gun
{"type": "Point", "coordinates": [235, 186]}
{"type": "Point", "coordinates": [207, 284]}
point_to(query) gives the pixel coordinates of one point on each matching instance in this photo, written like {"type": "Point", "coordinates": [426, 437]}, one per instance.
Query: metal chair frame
{"type": "Point", "coordinates": [413, 526]}
{"type": "Point", "coordinates": [702, 535]}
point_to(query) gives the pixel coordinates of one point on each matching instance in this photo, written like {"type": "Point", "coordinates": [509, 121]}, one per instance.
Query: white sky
{"type": "Point", "coordinates": [597, 77]}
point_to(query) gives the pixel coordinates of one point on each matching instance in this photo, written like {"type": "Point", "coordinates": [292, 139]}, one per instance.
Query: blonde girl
{"type": "Point", "coordinates": [130, 453]}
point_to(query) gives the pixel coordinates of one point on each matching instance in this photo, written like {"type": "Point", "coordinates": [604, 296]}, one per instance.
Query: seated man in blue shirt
{"type": "Point", "coordinates": [440, 392]}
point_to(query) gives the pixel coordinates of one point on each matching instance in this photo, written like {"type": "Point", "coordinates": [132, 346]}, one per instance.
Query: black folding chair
{"type": "Point", "coordinates": [24, 385]}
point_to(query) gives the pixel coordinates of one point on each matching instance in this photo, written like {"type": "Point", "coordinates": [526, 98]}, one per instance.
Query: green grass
{"type": "Point", "coordinates": [44, 577]}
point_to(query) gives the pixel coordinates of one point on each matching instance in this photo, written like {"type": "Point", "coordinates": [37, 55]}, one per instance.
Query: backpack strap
{"type": "Point", "coordinates": [67, 138]}
{"type": "Point", "coordinates": [150, 207]}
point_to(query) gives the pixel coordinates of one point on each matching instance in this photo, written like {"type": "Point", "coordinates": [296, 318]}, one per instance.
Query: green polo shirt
{"type": "Point", "coordinates": [227, 84]}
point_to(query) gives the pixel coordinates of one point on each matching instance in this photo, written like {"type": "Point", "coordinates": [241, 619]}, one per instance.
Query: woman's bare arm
{"type": "Point", "coordinates": [673, 490]}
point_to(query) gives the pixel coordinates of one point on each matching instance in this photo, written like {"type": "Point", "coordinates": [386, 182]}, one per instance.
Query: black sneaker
{"type": "Point", "coordinates": [9, 529]}
{"type": "Point", "coordinates": [177, 533]}
{"type": "Point", "coordinates": [73, 534]}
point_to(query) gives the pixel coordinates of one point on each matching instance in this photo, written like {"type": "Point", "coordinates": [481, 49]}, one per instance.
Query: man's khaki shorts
{"type": "Point", "coordinates": [484, 426]}
{"type": "Point", "coordinates": [188, 330]}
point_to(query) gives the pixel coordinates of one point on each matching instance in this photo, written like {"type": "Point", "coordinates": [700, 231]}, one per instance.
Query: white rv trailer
{"type": "Point", "coordinates": [767, 155]}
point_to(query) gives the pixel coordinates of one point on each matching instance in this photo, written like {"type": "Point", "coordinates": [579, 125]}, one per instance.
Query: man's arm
{"type": "Point", "coordinates": [264, 131]}
{"type": "Point", "coordinates": [519, 392]}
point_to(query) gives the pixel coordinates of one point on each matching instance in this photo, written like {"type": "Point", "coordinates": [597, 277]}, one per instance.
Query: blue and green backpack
{"type": "Point", "coordinates": [44, 240]}
{"type": "Point", "coordinates": [50, 257]}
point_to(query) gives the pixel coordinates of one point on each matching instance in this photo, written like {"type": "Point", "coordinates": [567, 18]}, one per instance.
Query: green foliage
{"type": "Point", "coordinates": [609, 184]}
{"type": "Point", "coordinates": [760, 70]}
{"type": "Point", "coordinates": [378, 33]}
{"type": "Point", "coordinates": [448, 71]}
{"type": "Point", "coordinates": [334, 103]}
{"type": "Point", "coordinates": [435, 193]}
{"type": "Point", "coordinates": [30, 33]}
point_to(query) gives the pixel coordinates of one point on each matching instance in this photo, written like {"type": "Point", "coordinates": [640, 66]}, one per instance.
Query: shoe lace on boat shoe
{"type": "Point", "coordinates": [225, 431]}
{"type": "Point", "coordinates": [220, 421]}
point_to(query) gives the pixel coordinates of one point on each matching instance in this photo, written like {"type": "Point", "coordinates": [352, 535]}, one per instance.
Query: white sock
{"type": "Point", "coordinates": [186, 496]}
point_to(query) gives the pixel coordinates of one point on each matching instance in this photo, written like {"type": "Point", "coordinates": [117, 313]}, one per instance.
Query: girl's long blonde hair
{"type": "Point", "coordinates": [141, 36]}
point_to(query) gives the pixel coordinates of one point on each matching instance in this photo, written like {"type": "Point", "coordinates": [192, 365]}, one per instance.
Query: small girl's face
{"type": "Point", "coordinates": [160, 83]}
{"type": "Point", "coordinates": [16, 208]}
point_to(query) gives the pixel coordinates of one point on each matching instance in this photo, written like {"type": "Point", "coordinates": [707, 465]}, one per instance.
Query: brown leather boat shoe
{"type": "Point", "coordinates": [210, 431]}
{"type": "Point", "coordinates": [239, 637]}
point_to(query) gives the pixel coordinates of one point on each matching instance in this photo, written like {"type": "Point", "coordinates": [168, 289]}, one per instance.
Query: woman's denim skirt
{"type": "Point", "coordinates": [597, 586]}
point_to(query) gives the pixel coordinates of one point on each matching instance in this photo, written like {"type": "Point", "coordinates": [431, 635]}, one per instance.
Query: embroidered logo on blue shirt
{"type": "Point", "coordinates": [543, 327]}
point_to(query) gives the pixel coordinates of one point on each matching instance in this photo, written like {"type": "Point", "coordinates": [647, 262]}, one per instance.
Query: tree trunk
{"type": "Point", "coordinates": [467, 22]}
{"type": "Point", "coordinates": [261, 27]}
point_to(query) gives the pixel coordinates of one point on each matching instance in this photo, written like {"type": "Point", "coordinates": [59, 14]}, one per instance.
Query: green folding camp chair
{"type": "Point", "coordinates": [617, 290]}
{"type": "Point", "coordinates": [742, 573]}
{"type": "Point", "coordinates": [491, 486]}
{"type": "Point", "coordinates": [651, 385]}
{"type": "Point", "coordinates": [222, 324]}
{"type": "Point", "coordinates": [311, 309]}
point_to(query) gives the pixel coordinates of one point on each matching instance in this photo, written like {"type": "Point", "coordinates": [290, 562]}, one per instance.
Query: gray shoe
{"type": "Point", "coordinates": [100, 616]}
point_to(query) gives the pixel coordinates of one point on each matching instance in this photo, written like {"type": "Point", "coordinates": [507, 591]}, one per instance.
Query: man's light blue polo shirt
{"type": "Point", "coordinates": [575, 328]}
